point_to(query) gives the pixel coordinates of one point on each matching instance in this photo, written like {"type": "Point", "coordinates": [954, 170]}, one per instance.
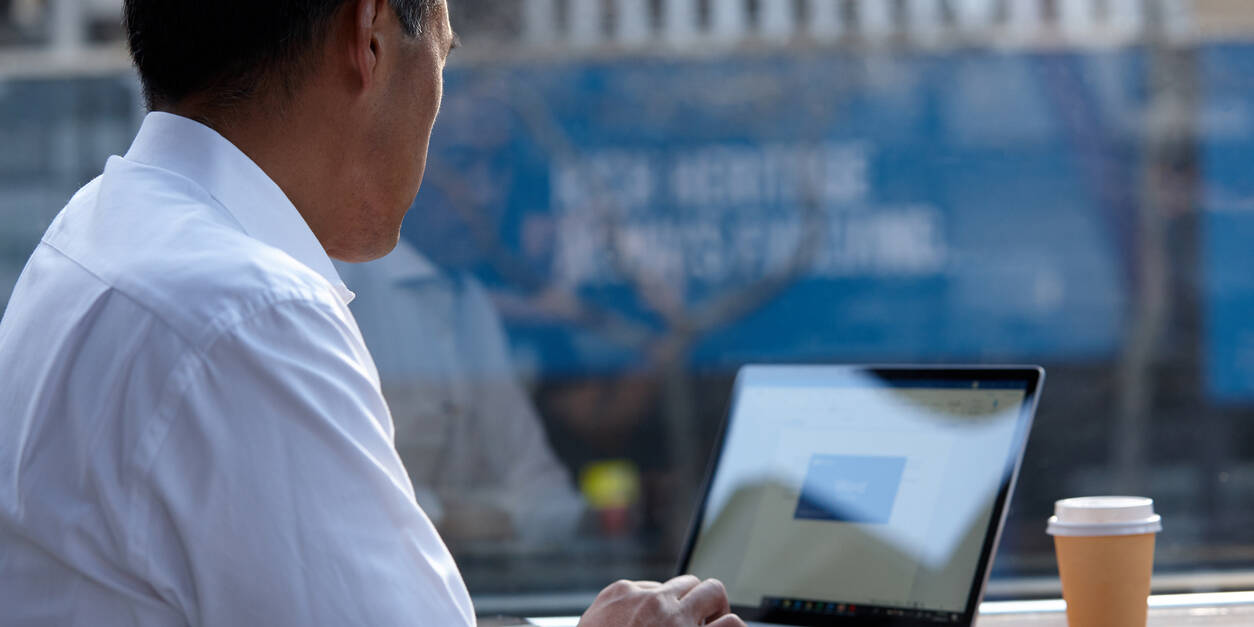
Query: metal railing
{"type": "Point", "coordinates": [65, 25]}
{"type": "Point", "coordinates": [686, 24]}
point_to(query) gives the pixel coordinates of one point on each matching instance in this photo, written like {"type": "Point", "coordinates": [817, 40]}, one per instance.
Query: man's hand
{"type": "Point", "coordinates": [681, 602]}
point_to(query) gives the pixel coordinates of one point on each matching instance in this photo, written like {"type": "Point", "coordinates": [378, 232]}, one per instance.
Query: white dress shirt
{"type": "Point", "coordinates": [192, 428]}
{"type": "Point", "coordinates": [464, 426]}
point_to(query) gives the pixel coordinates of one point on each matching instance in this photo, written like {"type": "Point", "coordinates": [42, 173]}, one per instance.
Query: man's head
{"type": "Point", "coordinates": [334, 99]}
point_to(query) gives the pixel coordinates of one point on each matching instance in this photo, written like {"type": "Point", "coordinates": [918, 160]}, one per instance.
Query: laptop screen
{"type": "Point", "coordinates": [856, 492]}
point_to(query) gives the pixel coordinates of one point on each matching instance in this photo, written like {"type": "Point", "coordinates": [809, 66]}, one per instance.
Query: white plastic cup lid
{"type": "Point", "coordinates": [1104, 516]}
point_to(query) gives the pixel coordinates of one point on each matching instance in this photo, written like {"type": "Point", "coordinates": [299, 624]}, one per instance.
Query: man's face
{"type": "Point", "coordinates": [406, 108]}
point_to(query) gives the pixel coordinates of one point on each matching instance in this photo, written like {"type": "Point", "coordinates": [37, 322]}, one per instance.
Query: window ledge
{"type": "Point", "coordinates": [1218, 609]}
{"type": "Point", "coordinates": [1214, 609]}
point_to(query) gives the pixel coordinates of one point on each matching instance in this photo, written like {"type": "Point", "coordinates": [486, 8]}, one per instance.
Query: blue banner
{"type": "Point", "coordinates": [1227, 153]}
{"type": "Point", "coordinates": [820, 206]}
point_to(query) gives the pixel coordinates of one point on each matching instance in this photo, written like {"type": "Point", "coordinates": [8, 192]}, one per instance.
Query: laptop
{"type": "Point", "coordinates": [861, 495]}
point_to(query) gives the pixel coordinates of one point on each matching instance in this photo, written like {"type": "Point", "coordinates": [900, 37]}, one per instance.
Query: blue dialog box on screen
{"type": "Point", "coordinates": [850, 488]}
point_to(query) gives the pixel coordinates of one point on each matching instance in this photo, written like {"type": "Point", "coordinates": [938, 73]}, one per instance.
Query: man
{"type": "Point", "coordinates": [473, 444]}
{"type": "Point", "coordinates": [193, 432]}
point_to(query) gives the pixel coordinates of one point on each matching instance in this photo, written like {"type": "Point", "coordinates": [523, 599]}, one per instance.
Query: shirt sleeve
{"type": "Point", "coordinates": [277, 498]}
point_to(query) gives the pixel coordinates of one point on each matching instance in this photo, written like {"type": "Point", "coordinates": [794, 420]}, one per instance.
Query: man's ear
{"type": "Point", "coordinates": [364, 39]}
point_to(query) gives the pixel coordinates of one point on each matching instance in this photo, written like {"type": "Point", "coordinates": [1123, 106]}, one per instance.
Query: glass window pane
{"type": "Point", "coordinates": [627, 200]}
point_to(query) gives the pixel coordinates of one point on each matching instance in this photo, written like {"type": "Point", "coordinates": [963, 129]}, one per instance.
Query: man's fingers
{"type": "Point", "coordinates": [728, 620]}
{"type": "Point", "coordinates": [706, 600]}
{"type": "Point", "coordinates": [681, 585]}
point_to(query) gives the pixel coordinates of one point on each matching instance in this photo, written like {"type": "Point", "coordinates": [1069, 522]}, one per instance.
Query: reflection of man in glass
{"type": "Point", "coordinates": [489, 206]}
{"type": "Point", "coordinates": [471, 441]}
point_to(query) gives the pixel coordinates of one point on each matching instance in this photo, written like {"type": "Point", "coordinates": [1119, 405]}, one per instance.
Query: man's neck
{"type": "Point", "coordinates": [297, 149]}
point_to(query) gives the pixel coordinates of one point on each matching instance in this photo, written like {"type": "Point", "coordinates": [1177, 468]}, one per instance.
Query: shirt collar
{"type": "Point", "coordinates": [263, 211]}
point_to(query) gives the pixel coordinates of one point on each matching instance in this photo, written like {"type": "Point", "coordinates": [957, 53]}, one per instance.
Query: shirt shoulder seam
{"type": "Point", "coordinates": [219, 324]}
{"type": "Point", "coordinates": [120, 292]}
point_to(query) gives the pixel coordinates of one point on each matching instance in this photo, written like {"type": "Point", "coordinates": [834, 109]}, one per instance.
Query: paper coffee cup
{"type": "Point", "coordinates": [1105, 549]}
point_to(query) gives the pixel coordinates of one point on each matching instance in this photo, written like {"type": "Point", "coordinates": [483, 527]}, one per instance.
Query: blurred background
{"type": "Point", "coordinates": [628, 199]}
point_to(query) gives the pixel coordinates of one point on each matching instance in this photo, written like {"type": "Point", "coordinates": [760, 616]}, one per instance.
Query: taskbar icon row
{"type": "Point", "coordinates": [836, 608]}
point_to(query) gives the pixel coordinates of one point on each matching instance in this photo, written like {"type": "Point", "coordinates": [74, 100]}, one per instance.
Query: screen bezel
{"type": "Point", "coordinates": [1033, 378]}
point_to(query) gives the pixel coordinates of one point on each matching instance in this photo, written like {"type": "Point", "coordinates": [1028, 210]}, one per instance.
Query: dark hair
{"type": "Point", "coordinates": [226, 50]}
